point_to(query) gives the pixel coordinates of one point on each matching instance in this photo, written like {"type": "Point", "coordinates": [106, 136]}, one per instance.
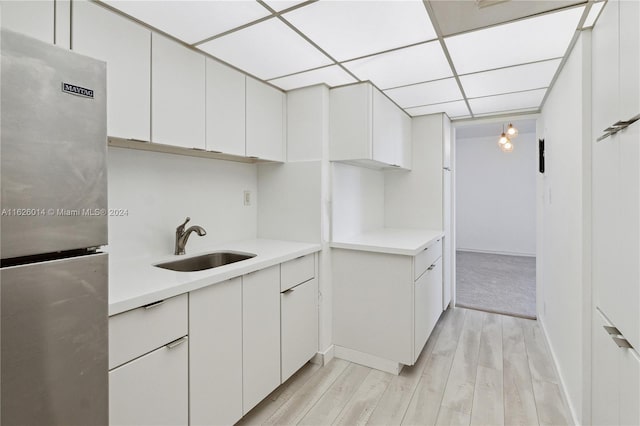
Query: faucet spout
{"type": "Point", "coordinates": [182, 236]}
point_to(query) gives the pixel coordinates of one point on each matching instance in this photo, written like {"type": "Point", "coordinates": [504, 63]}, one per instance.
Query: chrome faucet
{"type": "Point", "coordinates": [182, 236]}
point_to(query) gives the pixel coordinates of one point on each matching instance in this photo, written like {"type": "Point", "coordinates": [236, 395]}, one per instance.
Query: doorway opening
{"type": "Point", "coordinates": [495, 218]}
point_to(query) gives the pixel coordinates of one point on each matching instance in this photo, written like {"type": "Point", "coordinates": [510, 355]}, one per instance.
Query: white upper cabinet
{"type": "Point", "coordinates": [225, 109]}
{"type": "Point", "coordinates": [125, 47]}
{"type": "Point", "coordinates": [368, 129]}
{"type": "Point", "coordinates": [177, 94]}
{"type": "Point", "coordinates": [265, 118]}
{"type": "Point", "coordinates": [32, 18]}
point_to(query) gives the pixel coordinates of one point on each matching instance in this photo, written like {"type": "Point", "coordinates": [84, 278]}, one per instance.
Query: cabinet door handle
{"type": "Point", "coordinates": [612, 330]}
{"type": "Point", "coordinates": [176, 343]}
{"type": "Point", "coordinates": [622, 343]}
{"type": "Point", "coordinates": [154, 304]}
{"type": "Point", "coordinates": [431, 267]}
{"type": "Point", "coordinates": [289, 291]}
{"type": "Point", "coordinates": [603, 137]}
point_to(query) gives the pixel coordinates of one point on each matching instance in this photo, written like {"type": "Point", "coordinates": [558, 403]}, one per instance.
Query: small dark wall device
{"type": "Point", "coordinates": [541, 155]}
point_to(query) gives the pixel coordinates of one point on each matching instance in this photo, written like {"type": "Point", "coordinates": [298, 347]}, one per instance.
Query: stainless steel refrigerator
{"type": "Point", "coordinates": [53, 278]}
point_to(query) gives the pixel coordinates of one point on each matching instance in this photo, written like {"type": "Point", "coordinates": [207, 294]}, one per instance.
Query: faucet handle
{"type": "Point", "coordinates": [180, 228]}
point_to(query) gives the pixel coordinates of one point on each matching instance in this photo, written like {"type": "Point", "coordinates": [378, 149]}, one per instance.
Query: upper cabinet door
{"type": "Point", "coordinates": [265, 121]}
{"type": "Point", "coordinates": [225, 109]}
{"type": "Point", "coordinates": [125, 47]}
{"type": "Point", "coordinates": [177, 94]}
{"type": "Point", "coordinates": [387, 130]}
{"type": "Point", "coordinates": [32, 18]}
{"type": "Point", "coordinates": [406, 142]}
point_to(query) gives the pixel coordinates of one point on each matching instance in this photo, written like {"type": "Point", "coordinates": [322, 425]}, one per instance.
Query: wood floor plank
{"type": "Point", "coordinates": [540, 361]}
{"type": "Point", "coordinates": [265, 409]}
{"type": "Point", "coordinates": [447, 341]}
{"type": "Point", "coordinates": [552, 410]}
{"type": "Point", "coordinates": [296, 407]}
{"type": "Point", "coordinates": [363, 402]}
{"type": "Point", "coordinates": [458, 393]}
{"type": "Point", "coordinates": [519, 401]}
{"type": "Point", "coordinates": [450, 416]}
{"type": "Point", "coordinates": [329, 406]}
{"type": "Point", "coordinates": [490, 354]}
{"type": "Point", "coordinates": [392, 406]}
{"type": "Point", "coordinates": [488, 405]}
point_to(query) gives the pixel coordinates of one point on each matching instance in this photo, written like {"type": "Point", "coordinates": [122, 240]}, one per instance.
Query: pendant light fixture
{"type": "Point", "coordinates": [504, 142]}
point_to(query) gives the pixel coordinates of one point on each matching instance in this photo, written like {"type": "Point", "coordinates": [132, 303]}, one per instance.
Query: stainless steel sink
{"type": "Point", "coordinates": [205, 261]}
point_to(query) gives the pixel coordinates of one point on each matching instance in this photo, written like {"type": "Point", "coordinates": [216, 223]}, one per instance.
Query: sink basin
{"type": "Point", "coordinates": [205, 261]}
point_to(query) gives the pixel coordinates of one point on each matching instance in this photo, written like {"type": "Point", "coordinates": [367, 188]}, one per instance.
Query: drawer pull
{"type": "Point", "coordinates": [154, 304]}
{"type": "Point", "coordinates": [622, 343]}
{"type": "Point", "coordinates": [176, 343]}
{"type": "Point", "coordinates": [612, 330]}
{"type": "Point", "coordinates": [431, 267]}
{"type": "Point", "coordinates": [289, 291]}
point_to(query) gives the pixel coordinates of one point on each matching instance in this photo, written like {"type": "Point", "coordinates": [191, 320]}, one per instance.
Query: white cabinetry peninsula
{"type": "Point", "coordinates": [387, 296]}
{"type": "Point", "coordinates": [368, 129]}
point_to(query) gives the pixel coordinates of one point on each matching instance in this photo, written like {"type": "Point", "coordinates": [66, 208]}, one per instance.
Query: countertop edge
{"type": "Point", "coordinates": [216, 277]}
{"type": "Point", "coordinates": [388, 249]}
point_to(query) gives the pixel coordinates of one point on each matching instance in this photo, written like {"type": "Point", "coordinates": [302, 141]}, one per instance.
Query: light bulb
{"type": "Point", "coordinates": [512, 131]}
{"type": "Point", "coordinates": [503, 139]}
{"type": "Point", "coordinates": [507, 147]}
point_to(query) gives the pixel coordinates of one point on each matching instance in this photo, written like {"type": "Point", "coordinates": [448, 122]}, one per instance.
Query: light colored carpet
{"type": "Point", "coordinates": [496, 283]}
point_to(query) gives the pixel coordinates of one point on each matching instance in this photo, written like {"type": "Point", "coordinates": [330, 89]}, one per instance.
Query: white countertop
{"type": "Point", "coordinates": [136, 282]}
{"type": "Point", "coordinates": [408, 242]}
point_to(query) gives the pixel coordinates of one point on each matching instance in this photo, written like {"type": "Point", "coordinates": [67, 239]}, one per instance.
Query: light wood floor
{"type": "Point", "coordinates": [476, 369]}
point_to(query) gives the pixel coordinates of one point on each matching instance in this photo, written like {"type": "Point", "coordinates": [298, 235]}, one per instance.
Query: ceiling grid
{"type": "Point", "coordinates": [427, 56]}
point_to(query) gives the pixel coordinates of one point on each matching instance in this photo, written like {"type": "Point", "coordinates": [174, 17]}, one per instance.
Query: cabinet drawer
{"type": "Point", "coordinates": [427, 258]}
{"type": "Point", "coordinates": [151, 390]}
{"type": "Point", "coordinates": [297, 271]}
{"type": "Point", "coordinates": [141, 330]}
{"type": "Point", "coordinates": [299, 326]}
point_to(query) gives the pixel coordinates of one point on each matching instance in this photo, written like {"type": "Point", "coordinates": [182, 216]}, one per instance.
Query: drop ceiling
{"type": "Point", "coordinates": [466, 58]}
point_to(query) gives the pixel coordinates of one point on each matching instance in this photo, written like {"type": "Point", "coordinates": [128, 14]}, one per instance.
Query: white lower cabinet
{"type": "Point", "coordinates": [152, 389]}
{"type": "Point", "coordinates": [215, 353]}
{"type": "Point", "coordinates": [299, 326]}
{"type": "Point", "coordinates": [260, 335]}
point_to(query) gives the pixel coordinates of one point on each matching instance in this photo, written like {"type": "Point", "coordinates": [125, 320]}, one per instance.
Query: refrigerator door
{"type": "Point", "coordinates": [54, 356]}
{"type": "Point", "coordinates": [53, 148]}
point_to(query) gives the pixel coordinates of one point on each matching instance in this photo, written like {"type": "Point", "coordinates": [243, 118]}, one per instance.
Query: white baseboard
{"type": "Point", "coordinates": [563, 386]}
{"type": "Point", "coordinates": [323, 358]}
{"type": "Point", "coordinates": [368, 360]}
{"type": "Point", "coordinates": [504, 253]}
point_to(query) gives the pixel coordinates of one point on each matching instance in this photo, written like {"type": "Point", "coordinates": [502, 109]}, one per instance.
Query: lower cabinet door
{"type": "Point", "coordinates": [629, 387]}
{"type": "Point", "coordinates": [153, 389]}
{"type": "Point", "coordinates": [260, 335]}
{"type": "Point", "coordinates": [427, 305]}
{"type": "Point", "coordinates": [299, 326]}
{"type": "Point", "coordinates": [605, 361]}
{"type": "Point", "coordinates": [215, 353]}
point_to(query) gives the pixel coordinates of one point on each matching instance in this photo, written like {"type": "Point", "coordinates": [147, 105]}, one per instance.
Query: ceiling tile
{"type": "Point", "coordinates": [455, 17]}
{"type": "Point", "coordinates": [410, 65]}
{"type": "Point", "coordinates": [192, 21]}
{"type": "Point", "coordinates": [279, 5]}
{"type": "Point", "coordinates": [267, 50]}
{"type": "Point", "coordinates": [512, 79]}
{"type": "Point", "coordinates": [429, 93]}
{"type": "Point", "coordinates": [332, 76]}
{"type": "Point", "coordinates": [529, 40]}
{"type": "Point", "coordinates": [514, 101]}
{"type": "Point", "coordinates": [350, 29]}
{"type": "Point", "coordinates": [453, 109]}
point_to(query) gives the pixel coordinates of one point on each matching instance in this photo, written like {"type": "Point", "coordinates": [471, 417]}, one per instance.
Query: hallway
{"type": "Point", "coordinates": [476, 369]}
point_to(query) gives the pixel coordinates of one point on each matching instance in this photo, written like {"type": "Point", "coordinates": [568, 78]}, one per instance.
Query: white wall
{"type": "Point", "coordinates": [159, 190]}
{"type": "Point", "coordinates": [495, 195]}
{"type": "Point", "coordinates": [357, 200]}
{"type": "Point", "coordinates": [564, 298]}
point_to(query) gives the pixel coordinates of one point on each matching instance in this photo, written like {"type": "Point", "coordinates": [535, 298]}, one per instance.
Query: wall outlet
{"type": "Point", "coordinates": [247, 198]}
